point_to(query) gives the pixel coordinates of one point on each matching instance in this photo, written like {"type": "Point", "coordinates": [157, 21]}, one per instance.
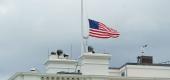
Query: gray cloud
{"type": "Point", "coordinates": [31, 28]}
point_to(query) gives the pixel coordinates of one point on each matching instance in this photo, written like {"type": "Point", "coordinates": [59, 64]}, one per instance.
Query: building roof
{"type": "Point", "coordinates": [166, 65]}
{"type": "Point", "coordinates": [148, 64]}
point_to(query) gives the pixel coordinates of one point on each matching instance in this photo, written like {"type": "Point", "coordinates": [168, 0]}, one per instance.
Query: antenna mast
{"type": "Point", "coordinates": [143, 48]}
{"type": "Point", "coordinates": [71, 50]}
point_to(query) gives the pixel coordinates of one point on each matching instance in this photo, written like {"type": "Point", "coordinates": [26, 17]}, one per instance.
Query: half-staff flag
{"type": "Point", "coordinates": [100, 30]}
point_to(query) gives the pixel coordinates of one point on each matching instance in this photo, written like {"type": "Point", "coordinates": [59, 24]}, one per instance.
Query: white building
{"type": "Point", "coordinates": [94, 67]}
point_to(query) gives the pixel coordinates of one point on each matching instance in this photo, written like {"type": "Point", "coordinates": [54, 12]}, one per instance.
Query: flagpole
{"type": "Point", "coordinates": [84, 43]}
{"type": "Point", "coordinates": [82, 26]}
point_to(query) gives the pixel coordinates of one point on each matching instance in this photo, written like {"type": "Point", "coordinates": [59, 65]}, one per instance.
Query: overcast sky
{"type": "Point", "coordinates": [29, 29]}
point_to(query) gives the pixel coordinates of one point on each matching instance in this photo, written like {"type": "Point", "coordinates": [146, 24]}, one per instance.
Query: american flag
{"type": "Point", "coordinates": [100, 30]}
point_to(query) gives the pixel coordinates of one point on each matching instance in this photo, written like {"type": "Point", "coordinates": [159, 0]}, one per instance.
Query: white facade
{"type": "Point", "coordinates": [40, 76]}
{"type": "Point", "coordinates": [95, 67]}
{"type": "Point", "coordinates": [57, 64]}
{"type": "Point", "coordinates": [114, 72]}
{"type": "Point", "coordinates": [95, 64]}
{"type": "Point", "coordinates": [148, 71]}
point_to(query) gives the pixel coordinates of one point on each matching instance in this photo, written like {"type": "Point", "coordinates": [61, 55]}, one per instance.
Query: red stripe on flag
{"type": "Point", "coordinates": [106, 32]}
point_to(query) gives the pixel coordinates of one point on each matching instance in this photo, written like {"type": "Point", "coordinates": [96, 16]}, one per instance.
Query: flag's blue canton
{"type": "Point", "coordinates": [93, 24]}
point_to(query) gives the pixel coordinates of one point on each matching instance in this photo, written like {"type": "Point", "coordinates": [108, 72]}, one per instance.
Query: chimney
{"type": "Point", "coordinates": [145, 60]}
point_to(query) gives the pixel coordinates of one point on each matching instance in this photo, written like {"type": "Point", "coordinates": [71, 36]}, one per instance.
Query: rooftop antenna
{"type": "Point", "coordinates": [71, 50]}
{"type": "Point", "coordinates": [48, 53]}
{"type": "Point", "coordinates": [143, 48]}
